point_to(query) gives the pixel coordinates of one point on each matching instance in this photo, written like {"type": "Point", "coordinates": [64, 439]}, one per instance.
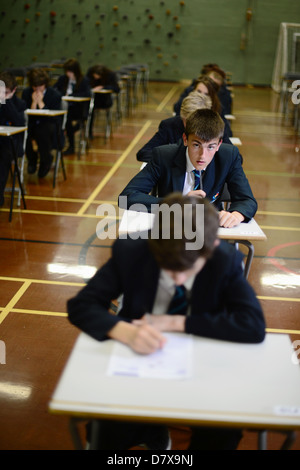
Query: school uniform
{"type": "Point", "coordinates": [41, 129]}
{"type": "Point", "coordinates": [167, 172]}
{"type": "Point", "coordinates": [11, 114]}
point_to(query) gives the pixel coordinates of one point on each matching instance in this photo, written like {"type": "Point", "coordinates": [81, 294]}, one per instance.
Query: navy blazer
{"type": "Point", "coordinates": [166, 172]}
{"type": "Point", "coordinates": [12, 114]}
{"type": "Point", "coordinates": [169, 132]}
{"type": "Point", "coordinates": [223, 304]}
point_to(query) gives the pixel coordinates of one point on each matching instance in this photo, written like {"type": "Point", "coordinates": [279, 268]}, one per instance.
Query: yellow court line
{"type": "Point", "coordinates": [272, 173]}
{"type": "Point", "coordinates": [39, 312]}
{"type": "Point", "coordinates": [167, 98]}
{"type": "Point", "coordinates": [288, 332]}
{"type": "Point", "coordinates": [64, 315]}
{"type": "Point", "coordinates": [114, 168]}
{"type": "Point", "coordinates": [41, 281]}
{"type": "Point", "coordinates": [14, 300]}
{"type": "Point", "coordinates": [64, 214]}
{"type": "Point", "coordinates": [285, 214]}
{"type": "Point", "coordinates": [68, 283]}
{"type": "Point", "coordinates": [284, 299]}
{"type": "Point", "coordinates": [68, 199]}
{"type": "Point", "coordinates": [276, 227]}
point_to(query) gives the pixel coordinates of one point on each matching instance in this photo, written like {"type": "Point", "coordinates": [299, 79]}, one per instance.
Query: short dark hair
{"type": "Point", "coordinates": [171, 253]}
{"type": "Point", "coordinates": [38, 77]}
{"type": "Point", "coordinates": [205, 124]}
{"type": "Point", "coordinates": [9, 80]}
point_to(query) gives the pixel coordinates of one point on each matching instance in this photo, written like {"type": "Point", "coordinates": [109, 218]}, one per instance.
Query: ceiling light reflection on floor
{"type": "Point", "coordinates": [16, 392]}
{"type": "Point", "coordinates": [82, 271]}
{"type": "Point", "coordinates": [281, 281]}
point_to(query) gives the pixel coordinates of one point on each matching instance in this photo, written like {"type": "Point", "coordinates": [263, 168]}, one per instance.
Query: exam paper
{"type": "Point", "coordinates": [174, 361]}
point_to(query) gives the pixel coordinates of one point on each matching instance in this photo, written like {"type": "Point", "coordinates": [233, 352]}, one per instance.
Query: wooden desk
{"type": "Point", "coordinates": [249, 386]}
{"type": "Point", "coordinates": [244, 233]}
{"type": "Point", "coordinates": [59, 156]}
{"type": "Point", "coordinates": [10, 131]}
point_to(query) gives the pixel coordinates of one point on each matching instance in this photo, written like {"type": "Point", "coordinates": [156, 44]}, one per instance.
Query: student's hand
{"type": "Point", "coordinates": [163, 322]}
{"type": "Point", "coordinates": [37, 99]}
{"type": "Point", "coordinates": [143, 339]}
{"type": "Point", "coordinates": [230, 219]}
{"type": "Point", "coordinates": [197, 192]}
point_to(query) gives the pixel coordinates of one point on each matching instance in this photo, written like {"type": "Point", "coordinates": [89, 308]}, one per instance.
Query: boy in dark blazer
{"type": "Point", "coordinates": [220, 304]}
{"type": "Point", "coordinates": [11, 114]}
{"type": "Point", "coordinates": [39, 95]}
{"type": "Point", "coordinates": [171, 168]}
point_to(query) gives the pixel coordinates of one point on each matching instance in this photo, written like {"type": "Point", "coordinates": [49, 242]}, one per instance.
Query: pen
{"type": "Point", "coordinates": [214, 198]}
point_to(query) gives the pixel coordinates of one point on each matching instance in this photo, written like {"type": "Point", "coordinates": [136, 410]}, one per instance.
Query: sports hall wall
{"type": "Point", "coordinates": [173, 37]}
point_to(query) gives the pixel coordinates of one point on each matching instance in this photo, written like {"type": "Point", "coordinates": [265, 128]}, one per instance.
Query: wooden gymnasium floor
{"type": "Point", "coordinates": [48, 251]}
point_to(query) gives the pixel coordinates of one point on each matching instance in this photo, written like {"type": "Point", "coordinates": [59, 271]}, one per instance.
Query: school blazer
{"type": "Point", "coordinates": [223, 304]}
{"type": "Point", "coordinates": [166, 173]}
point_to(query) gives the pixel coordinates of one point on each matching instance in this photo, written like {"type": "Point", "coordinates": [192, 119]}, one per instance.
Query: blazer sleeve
{"type": "Point", "coordinates": [12, 114]}
{"type": "Point", "coordinates": [161, 137]}
{"type": "Point", "coordinates": [231, 309]}
{"type": "Point", "coordinates": [136, 195]}
{"type": "Point", "coordinates": [89, 309]}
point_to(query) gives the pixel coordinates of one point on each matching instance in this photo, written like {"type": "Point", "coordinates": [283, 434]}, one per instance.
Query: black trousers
{"type": "Point", "coordinates": [115, 435]}
{"type": "Point", "coordinates": [43, 133]}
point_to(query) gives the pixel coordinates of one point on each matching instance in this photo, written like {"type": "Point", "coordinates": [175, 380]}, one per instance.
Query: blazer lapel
{"type": "Point", "coordinates": [178, 169]}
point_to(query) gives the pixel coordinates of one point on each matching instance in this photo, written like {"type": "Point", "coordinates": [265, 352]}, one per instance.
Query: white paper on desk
{"type": "Point", "coordinates": [174, 361]}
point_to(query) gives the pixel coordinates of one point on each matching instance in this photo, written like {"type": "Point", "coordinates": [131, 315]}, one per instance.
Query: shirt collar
{"type": "Point", "coordinates": [169, 283]}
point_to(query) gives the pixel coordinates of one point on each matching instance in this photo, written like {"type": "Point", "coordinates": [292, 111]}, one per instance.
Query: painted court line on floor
{"type": "Point", "coordinates": [114, 168]}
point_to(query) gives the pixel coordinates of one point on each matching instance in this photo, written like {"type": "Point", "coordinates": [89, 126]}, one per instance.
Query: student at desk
{"type": "Point", "coordinates": [11, 114]}
{"type": "Point", "coordinates": [216, 302]}
{"type": "Point", "coordinates": [172, 168]}
{"type": "Point", "coordinates": [39, 95]}
{"type": "Point", "coordinates": [73, 83]}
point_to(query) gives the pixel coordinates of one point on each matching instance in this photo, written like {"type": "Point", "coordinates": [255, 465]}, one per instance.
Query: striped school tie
{"type": "Point", "coordinates": [198, 179]}
{"type": "Point", "coordinates": [178, 304]}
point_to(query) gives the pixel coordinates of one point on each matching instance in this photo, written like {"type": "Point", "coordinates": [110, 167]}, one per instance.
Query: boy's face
{"type": "Point", "coordinates": [201, 153]}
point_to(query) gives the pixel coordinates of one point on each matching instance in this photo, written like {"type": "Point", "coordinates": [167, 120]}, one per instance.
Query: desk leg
{"type": "Point", "coordinates": [75, 434]}
{"type": "Point", "coordinates": [59, 156]}
{"type": "Point", "coordinates": [250, 255]}
{"type": "Point", "coordinates": [288, 442]}
{"type": "Point", "coordinates": [15, 173]}
{"type": "Point", "coordinates": [262, 440]}
{"type": "Point", "coordinates": [88, 121]}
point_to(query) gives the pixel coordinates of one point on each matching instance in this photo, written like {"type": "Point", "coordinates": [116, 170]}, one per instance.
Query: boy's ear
{"type": "Point", "coordinates": [184, 137]}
